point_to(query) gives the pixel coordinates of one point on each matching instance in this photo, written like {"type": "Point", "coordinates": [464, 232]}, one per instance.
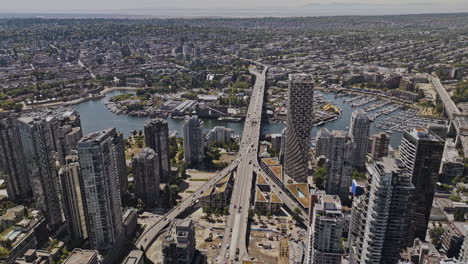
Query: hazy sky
{"type": "Point", "coordinates": [341, 6]}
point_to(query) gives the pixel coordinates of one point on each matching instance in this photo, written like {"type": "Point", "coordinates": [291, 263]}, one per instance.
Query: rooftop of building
{"type": "Point", "coordinates": [460, 227]}
{"type": "Point", "coordinates": [301, 192]}
{"type": "Point", "coordinates": [278, 171]}
{"type": "Point", "coordinates": [95, 137]}
{"type": "Point", "coordinates": [134, 257]}
{"type": "Point", "coordinates": [339, 133]}
{"type": "Point", "coordinates": [260, 179]}
{"type": "Point", "coordinates": [156, 121]}
{"type": "Point", "coordinates": [271, 161]}
{"type": "Point", "coordinates": [81, 256]}
{"type": "Point", "coordinates": [302, 77]}
{"type": "Point", "coordinates": [145, 153]}
{"type": "Point", "coordinates": [330, 203]}
{"type": "Point", "coordinates": [275, 198]}
{"type": "Point", "coordinates": [259, 197]}
{"type": "Point", "coordinates": [422, 134]}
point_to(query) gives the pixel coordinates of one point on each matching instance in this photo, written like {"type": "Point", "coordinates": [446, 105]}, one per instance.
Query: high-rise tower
{"type": "Point", "coordinates": [298, 126]}
{"type": "Point", "coordinates": [157, 138]}
{"type": "Point", "coordinates": [146, 171]}
{"type": "Point", "coordinates": [421, 153]}
{"type": "Point", "coordinates": [193, 140]}
{"type": "Point", "coordinates": [39, 139]}
{"type": "Point", "coordinates": [12, 161]}
{"type": "Point", "coordinates": [73, 200]}
{"type": "Point", "coordinates": [388, 211]}
{"type": "Point", "coordinates": [359, 132]}
{"type": "Point", "coordinates": [100, 182]}
{"type": "Point", "coordinates": [339, 157]}
{"type": "Point", "coordinates": [325, 232]}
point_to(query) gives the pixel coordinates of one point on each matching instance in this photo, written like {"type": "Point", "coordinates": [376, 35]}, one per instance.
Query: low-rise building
{"type": "Point", "coordinates": [453, 238]}
{"type": "Point", "coordinates": [135, 257]}
{"type": "Point", "coordinates": [452, 164]}
{"type": "Point", "coordinates": [83, 256]}
{"type": "Point", "coordinates": [178, 245]}
{"type": "Point", "coordinates": [218, 196]}
{"type": "Point", "coordinates": [130, 217]}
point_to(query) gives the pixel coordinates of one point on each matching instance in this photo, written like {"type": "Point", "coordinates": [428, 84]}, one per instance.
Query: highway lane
{"type": "Point", "coordinates": [449, 105]}
{"type": "Point", "coordinates": [152, 232]}
{"type": "Point", "coordinates": [234, 247]}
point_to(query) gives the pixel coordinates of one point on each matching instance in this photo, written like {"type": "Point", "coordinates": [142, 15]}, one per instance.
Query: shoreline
{"type": "Point", "coordinates": [81, 100]}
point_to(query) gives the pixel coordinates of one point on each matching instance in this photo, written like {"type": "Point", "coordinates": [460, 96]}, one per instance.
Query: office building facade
{"type": "Point", "coordinates": [157, 138]}
{"type": "Point", "coordinates": [421, 153]}
{"type": "Point", "coordinates": [299, 124]}
{"type": "Point", "coordinates": [100, 183]}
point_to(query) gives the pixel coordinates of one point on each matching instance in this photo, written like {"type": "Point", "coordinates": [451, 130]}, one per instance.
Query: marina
{"type": "Point", "coordinates": [388, 117]}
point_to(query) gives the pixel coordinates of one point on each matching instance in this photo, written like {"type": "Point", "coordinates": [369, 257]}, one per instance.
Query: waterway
{"type": "Point", "coordinates": [95, 116]}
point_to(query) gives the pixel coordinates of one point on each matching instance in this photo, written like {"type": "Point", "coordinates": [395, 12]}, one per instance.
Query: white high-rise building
{"type": "Point", "coordinates": [359, 132]}
{"type": "Point", "coordinates": [100, 179]}
{"type": "Point", "coordinates": [193, 140]}
{"type": "Point", "coordinates": [219, 135]}
{"type": "Point", "coordinates": [299, 124]}
{"type": "Point", "coordinates": [325, 232]}
{"type": "Point", "coordinates": [388, 212]}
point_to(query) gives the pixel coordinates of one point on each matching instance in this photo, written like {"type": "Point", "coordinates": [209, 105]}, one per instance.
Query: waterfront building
{"type": "Point", "coordinates": [193, 140]}
{"type": "Point", "coordinates": [100, 184]}
{"type": "Point", "coordinates": [388, 212]}
{"type": "Point", "coordinates": [178, 244]}
{"type": "Point", "coordinates": [12, 160]}
{"type": "Point", "coordinates": [157, 138]}
{"type": "Point", "coordinates": [219, 135]}
{"type": "Point", "coordinates": [378, 145]}
{"type": "Point", "coordinates": [359, 132]}
{"type": "Point", "coordinates": [325, 232]}
{"type": "Point", "coordinates": [421, 153]}
{"type": "Point", "coordinates": [340, 149]}
{"type": "Point", "coordinates": [298, 126]}
{"type": "Point", "coordinates": [146, 174]}
{"type": "Point", "coordinates": [73, 200]}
